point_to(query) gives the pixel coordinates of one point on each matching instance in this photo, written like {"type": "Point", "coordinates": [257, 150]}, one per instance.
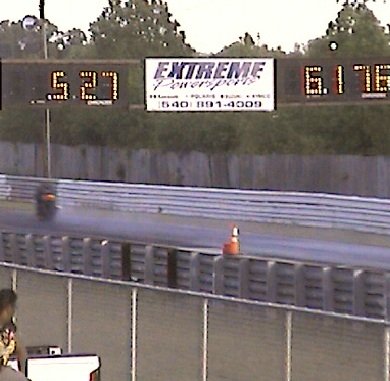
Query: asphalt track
{"type": "Point", "coordinates": [276, 241]}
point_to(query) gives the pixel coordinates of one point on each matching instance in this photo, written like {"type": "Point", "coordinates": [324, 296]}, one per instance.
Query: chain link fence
{"type": "Point", "coordinates": [147, 333]}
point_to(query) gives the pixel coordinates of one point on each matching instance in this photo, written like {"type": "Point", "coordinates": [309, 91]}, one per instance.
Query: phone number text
{"type": "Point", "coordinates": [210, 105]}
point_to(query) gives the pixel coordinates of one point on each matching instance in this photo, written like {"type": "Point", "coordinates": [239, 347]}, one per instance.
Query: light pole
{"type": "Point", "coordinates": [47, 111]}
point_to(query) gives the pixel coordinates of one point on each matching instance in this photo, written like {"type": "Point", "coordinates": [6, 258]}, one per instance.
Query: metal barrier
{"type": "Point", "coordinates": [316, 210]}
{"type": "Point", "coordinates": [353, 291]}
{"type": "Point", "coordinates": [151, 333]}
{"type": "Point", "coordinates": [5, 188]}
{"type": "Point", "coordinates": [24, 188]}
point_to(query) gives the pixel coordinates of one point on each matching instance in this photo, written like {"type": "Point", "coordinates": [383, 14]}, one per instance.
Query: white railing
{"type": "Point", "coordinates": [5, 188]}
{"type": "Point", "coordinates": [308, 209]}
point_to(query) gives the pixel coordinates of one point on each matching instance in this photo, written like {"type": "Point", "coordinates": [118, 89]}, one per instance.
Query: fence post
{"type": "Point", "coordinates": [134, 297]}
{"type": "Point", "coordinates": [288, 344]}
{"type": "Point", "coordinates": [386, 351]}
{"type": "Point", "coordinates": [14, 279]}
{"type": "Point", "coordinates": [205, 338]}
{"type": "Point", "coordinates": [70, 313]}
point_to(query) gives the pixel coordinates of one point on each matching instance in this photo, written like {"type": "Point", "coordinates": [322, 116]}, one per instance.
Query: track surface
{"type": "Point", "coordinates": [256, 239]}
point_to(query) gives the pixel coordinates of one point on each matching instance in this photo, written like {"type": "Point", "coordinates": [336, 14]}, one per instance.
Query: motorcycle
{"type": "Point", "coordinates": [46, 207]}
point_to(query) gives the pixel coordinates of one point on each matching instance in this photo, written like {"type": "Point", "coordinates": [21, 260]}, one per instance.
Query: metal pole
{"type": "Point", "coordinates": [45, 49]}
{"type": "Point", "coordinates": [386, 351]}
{"type": "Point", "coordinates": [288, 344]}
{"type": "Point", "coordinates": [47, 112]}
{"type": "Point", "coordinates": [70, 314]}
{"type": "Point", "coordinates": [134, 297]}
{"type": "Point", "coordinates": [205, 338]}
{"type": "Point", "coordinates": [14, 279]}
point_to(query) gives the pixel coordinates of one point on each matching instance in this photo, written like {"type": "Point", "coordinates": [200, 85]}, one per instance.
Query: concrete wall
{"type": "Point", "coordinates": [358, 175]}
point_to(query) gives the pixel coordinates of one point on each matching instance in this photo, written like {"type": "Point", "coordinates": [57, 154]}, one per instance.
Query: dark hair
{"type": "Point", "coordinates": [7, 298]}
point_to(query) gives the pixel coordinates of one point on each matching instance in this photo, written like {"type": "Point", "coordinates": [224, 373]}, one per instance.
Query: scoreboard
{"type": "Point", "coordinates": [64, 83]}
{"type": "Point", "coordinates": [326, 81]}
{"type": "Point", "coordinates": [88, 83]}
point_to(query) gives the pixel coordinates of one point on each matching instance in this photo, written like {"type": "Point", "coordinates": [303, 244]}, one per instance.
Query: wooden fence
{"type": "Point", "coordinates": [349, 175]}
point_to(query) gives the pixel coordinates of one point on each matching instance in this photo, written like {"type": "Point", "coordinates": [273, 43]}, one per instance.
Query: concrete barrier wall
{"type": "Point", "coordinates": [358, 175]}
{"type": "Point", "coordinates": [353, 291]}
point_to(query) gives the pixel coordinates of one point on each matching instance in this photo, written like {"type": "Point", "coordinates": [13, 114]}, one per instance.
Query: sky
{"type": "Point", "coordinates": [212, 24]}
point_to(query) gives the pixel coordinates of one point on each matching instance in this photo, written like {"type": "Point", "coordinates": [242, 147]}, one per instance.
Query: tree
{"type": "Point", "coordinates": [246, 47]}
{"type": "Point", "coordinates": [17, 42]}
{"type": "Point", "coordinates": [356, 32]}
{"type": "Point", "coordinates": [74, 44]}
{"type": "Point", "coordinates": [356, 2]}
{"type": "Point", "coordinates": [138, 29]}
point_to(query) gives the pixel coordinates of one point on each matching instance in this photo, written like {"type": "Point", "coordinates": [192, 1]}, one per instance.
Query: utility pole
{"type": "Point", "coordinates": [47, 111]}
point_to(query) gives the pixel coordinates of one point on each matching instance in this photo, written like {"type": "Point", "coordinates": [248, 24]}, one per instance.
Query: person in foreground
{"type": "Point", "coordinates": [10, 343]}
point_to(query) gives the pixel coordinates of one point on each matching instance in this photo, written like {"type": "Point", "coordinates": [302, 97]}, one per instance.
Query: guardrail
{"type": "Point", "coordinates": [5, 188]}
{"type": "Point", "coordinates": [314, 210]}
{"type": "Point", "coordinates": [353, 291]}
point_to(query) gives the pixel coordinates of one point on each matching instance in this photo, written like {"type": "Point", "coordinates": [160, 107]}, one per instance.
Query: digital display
{"type": "Point", "coordinates": [60, 83]}
{"type": "Point", "coordinates": [333, 81]}
{"type": "Point", "coordinates": [88, 88]}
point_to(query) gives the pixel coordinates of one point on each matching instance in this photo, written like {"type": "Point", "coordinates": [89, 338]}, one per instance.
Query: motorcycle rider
{"type": "Point", "coordinates": [41, 191]}
{"type": "Point", "coordinates": [41, 203]}
{"type": "Point", "coordinates": [10, 343]}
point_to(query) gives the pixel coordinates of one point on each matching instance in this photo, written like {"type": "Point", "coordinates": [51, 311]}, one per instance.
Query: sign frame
{"type": "Point", "coordinates": [210, 84]}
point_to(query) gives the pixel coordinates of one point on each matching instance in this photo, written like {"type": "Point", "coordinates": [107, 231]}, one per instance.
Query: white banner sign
{"type": "Point", "coordinates": [209, 84]}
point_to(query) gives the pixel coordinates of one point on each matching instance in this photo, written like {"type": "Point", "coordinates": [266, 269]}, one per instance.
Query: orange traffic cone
{"type": "Point", "coordinates": [233, 246]}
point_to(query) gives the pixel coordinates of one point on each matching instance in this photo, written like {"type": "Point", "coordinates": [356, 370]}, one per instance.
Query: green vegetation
{"type": "Point", "coordinates": [144, 28]}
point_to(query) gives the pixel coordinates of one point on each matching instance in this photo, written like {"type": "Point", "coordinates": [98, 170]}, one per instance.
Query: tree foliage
{"type": "Point", "coordinates": [247, 47]}
{"type": "Point", "coordinates": [138, 29]}
{"type": "Point", "coordinates": [17, 42]}
{"type": "Point", "coordinates": [357, 33]}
